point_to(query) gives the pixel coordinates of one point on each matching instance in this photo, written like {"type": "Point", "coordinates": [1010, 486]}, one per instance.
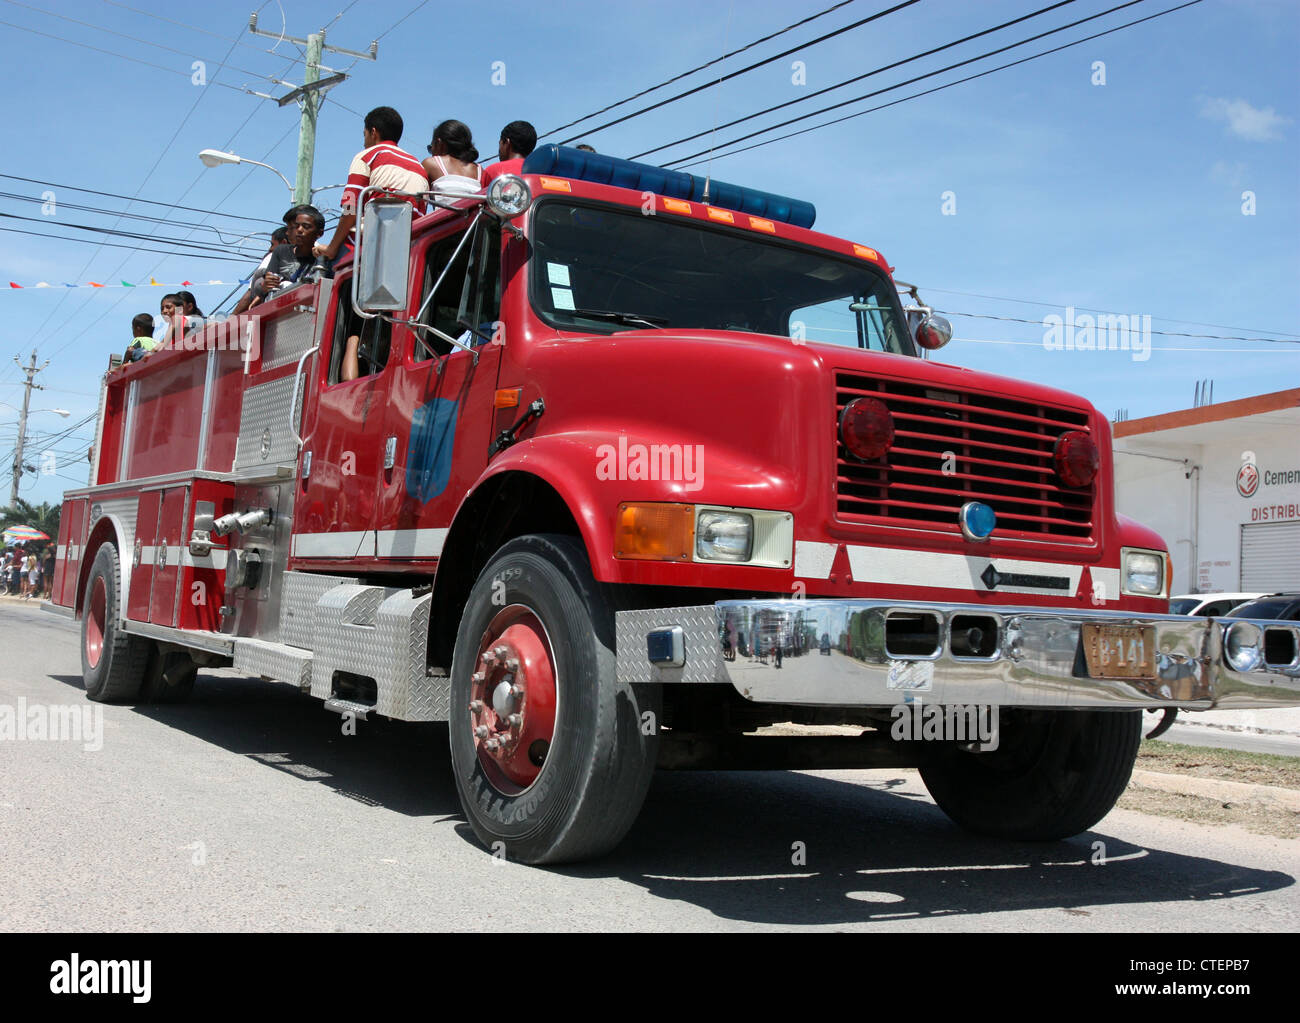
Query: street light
{"type": "Point", "coordinates": [22, 440]}
{"type": "Point", "coordinates": [215, 158]}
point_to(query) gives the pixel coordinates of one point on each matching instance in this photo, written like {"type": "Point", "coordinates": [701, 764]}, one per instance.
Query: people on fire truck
{"type": "Point", "coordinates": [452, 161]}
{"type": "Point", "coordinates": [278, 237]}
{"type": "Point", "coordinates": [142, 339]}
{"type": "Point", "coordinates": [381, 163]}
{"type": "Point", "coordinates": [292, 261]}
{"type": "Point", "coordinates": [518, 139]}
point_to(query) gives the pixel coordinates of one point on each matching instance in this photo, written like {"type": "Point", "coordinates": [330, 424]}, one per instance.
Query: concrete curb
{"type": "Point", "coordinates": [1220, 791]}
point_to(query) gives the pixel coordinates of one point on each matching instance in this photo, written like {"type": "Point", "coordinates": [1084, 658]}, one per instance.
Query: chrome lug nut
{"type": "Point", "coordinates": [476, 707]}
{"type": "Point", "coordinates": [492, 745]}
{"type": "Point", "coordinates": [477, 677]}
{"type": "Point", "coordinates": [516, 720]}
{"type": "Point", "coordinates": [489, 657]}
{"type": "Point", "coordinates": [513, 664]}
{"type": "Point", "coordinates": [501, 650]}
{"type": "Point", "coordinates": [517, 692]}
{"type": "Point", "coordinates": [482, 732]}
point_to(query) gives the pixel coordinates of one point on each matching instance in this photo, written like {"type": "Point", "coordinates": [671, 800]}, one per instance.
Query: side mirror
{"type": "Point", "coordinates": [933, 332]}
{"type": "Point", "coordinates": [383, 256]}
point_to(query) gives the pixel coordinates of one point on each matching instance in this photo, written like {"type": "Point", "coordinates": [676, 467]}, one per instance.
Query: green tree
{"type": "Point", "coordinates": [43, 516]}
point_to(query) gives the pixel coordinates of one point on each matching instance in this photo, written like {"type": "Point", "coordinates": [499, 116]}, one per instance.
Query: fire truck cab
{"type": "Point", "coordinates": [625, 447]}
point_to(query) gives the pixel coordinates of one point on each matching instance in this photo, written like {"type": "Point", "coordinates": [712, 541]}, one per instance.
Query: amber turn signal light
{"type": "Point", "coordinates": [654, 531]}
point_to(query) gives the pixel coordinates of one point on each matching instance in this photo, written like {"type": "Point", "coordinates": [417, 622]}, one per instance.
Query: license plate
{"type": "Point", "coordinates": [1120, 651]}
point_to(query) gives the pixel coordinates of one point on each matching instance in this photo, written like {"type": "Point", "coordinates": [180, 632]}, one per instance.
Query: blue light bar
{"type": "Point", "coordinates": [564, 162]}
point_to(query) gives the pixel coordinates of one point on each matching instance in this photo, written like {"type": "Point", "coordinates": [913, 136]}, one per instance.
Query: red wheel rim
{"type": "Point", "coordinates": [96, 614]}
{"type": "Point", "coordinates": [513, 698]}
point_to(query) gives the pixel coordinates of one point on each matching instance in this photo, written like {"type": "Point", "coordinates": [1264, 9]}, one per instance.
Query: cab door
{"type": "Point", "coordinates": [342, 458]}
{"type": "Point", "coordinates": [442, 418]}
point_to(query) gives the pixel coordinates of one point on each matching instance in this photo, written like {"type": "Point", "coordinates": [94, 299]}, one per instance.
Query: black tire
{"type": "Point", "coordinates": [119, 669]}
{"type": "Point", "coordinates": [594, 776]}
{"type": "Point", "coordinates": [1053, 775]}
{"type": "Point", "coordinates": [169, 677]}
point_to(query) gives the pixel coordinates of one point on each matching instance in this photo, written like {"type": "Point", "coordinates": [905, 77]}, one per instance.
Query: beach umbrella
{"type": "Point", "coordinates": [22, 534]}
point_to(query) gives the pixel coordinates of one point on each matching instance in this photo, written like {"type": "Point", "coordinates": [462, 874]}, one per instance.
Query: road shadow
{"type": "Point", "coordinates": [767, 847]}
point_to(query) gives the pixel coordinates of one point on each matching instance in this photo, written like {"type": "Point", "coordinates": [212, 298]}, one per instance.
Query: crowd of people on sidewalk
{"type": "Point", "coordinates": [27, 573]}
{"type": "Point", "coordinates": [297, 254]}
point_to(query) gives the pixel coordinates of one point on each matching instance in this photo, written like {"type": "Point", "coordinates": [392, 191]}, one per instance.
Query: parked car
{"type": "Point", "coordinates": [1283, 607]}
{"type": "Point", "coordinates": [1209, 605]}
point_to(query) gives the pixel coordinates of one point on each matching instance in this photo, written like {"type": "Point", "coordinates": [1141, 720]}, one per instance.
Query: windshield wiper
{"type": "Point", "coordinates": [627, 319]}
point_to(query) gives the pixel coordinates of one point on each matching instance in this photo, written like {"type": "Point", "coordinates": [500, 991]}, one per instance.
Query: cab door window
{"type": "Point", "coordinates": [467, 300]}
{"type": "Point", "coordinates": [359, 346]}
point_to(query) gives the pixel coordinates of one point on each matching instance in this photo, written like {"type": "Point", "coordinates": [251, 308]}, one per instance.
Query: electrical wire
{"type": "Point", "coordinates": [113, 245]}
{"type": "Point", "coordinates": [1162, 333]}
{"type": "Point", "coordinates": [131, 199]}
{"type": "Point", "coordinates": [706, 64]}
{"type": "Point", "coordinates": [745, 70]}
{"type": "Point", "coordinates": [194, 246]}
{"type": "Point", "coordinates": [868, 74]}
{"type": "Point", "coordinates": [926, 92]}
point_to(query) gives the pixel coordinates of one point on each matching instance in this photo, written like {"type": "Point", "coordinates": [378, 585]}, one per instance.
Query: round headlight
{"type": "Point", "coordinates": [1241, 646]}
{"type": "Point", "coordinates": [508, 196]}
{"type": "Point", "coordinates": [1076, 458]}
{"type": "Point", "coordinates": [867, 428]}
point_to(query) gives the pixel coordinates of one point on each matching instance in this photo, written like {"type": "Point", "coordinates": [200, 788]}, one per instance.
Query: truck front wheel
{"type": "Point", "coordinates": [552, 755]}
{"type": "Point", "coordinates": [1053, 775]}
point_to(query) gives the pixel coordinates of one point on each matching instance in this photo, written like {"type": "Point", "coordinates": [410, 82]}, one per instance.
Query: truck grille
{"type": "Point", "coordinates": [951, 447]}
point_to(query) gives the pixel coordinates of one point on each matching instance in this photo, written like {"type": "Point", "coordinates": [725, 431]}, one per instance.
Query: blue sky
{"type": "Point", "coordinates": [1125, 196]}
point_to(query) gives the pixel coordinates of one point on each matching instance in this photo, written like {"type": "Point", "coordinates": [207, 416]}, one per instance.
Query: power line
{"type": "Point", "coordinates": [132, 199]}
{"type": "Point", "coordinates": [114, 245]}
{"type": "Point", "coordinates": [134, 39]}
{"type": "Point", "coordinates": [413, 10]}
{"type": "Point", "coordinates": [868, 74]}
{"type": "Point", "coordinates": [114, 53]}
{"type": "Point", "coordinates": [194, 245]}
{"type": "Point", "coordinates": [745, 70]}
{"type": "Point", "coordinates": [917, 95]}
{"type": "Point", "coordinates": [1162, 333]}
{"type": "Point", "coordinates": [1090, 309]}
{"type": "Point", "coordinates": [899, 85]}
{"type": "Point", "coordinates": [82, 208]}
{"type": "Point", "coordinates": [706, 64]}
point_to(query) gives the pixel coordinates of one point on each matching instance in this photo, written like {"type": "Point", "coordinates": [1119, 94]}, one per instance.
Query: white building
{"type": "Point", "coordinates": [1221, 484]}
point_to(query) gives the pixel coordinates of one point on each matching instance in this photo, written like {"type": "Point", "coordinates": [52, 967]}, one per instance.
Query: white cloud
{"type": "Point", "coordinates": [1243, 120]}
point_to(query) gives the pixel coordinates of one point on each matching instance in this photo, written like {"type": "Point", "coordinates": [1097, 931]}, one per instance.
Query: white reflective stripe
{"type": "Point", "coordinates": [813, 560]}
{"type": "Point", "coordinates": [216, 559]}
{"type": "Point", "coordinates": [895, 566]}
{"type": "Point", "coordinates": [359, 544]}
{"type": "Point", "coordinates": [410, 543]}
{"type": "Point", "coordinates": [147, 555]}
{"type": "Point", "coordinates": [61, 553]}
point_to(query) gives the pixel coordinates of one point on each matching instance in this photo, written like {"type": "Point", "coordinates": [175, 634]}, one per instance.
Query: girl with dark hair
{"type": "Point", "coordinates": [188, 305]}
{"type": "Point", "coordinates": [452, 163]}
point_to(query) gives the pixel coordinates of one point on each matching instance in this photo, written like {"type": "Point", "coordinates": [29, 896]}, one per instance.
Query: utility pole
{"type": "Point", "coordinates": [311, 94]}
{"type": "Point", "coordinates": [31, 372]}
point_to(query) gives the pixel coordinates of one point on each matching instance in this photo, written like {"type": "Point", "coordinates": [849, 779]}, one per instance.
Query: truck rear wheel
{"type": "Point", "coordinates": [112, 662]}
{"type": "Point", "coordinates": [552, 756]}
{"type": "Point", "coordinates": [1053, 775]}
{"type": "Point", "coordinates": [169, 677]}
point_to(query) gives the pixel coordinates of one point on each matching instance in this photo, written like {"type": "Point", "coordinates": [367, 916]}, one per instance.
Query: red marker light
{"type": "Point", "coordinates": [867, 428]}
{"type": "Point", "coordinates": [1076, 459]}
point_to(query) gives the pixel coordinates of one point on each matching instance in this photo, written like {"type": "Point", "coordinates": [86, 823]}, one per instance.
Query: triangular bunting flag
{"type": "Point", "coordinates": [13, 285]}
{"type": "Point", "coordinates": [154, 283]}
{"type": "Point", "coordinates": [94, 285]}
{"type": "Point", "coordinates": [186, 284]}
{"type": "Point", "coordinates": [127, 284]}
{"type": "Point", "coordinates": [42, 284]}
{"type": "Point", "coordinates": [245, 280]}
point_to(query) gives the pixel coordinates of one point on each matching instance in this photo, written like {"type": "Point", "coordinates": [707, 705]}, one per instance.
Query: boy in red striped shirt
{"type": "Point", "coordinates": [382, 163]}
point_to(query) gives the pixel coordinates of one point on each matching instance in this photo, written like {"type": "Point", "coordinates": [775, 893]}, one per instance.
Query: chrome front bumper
{"type": "Point", "coordinates": [1031, 657]}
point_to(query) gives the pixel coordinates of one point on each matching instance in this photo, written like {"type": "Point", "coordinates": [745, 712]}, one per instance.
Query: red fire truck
{"type": "Point", "coordinates": [633, 465]}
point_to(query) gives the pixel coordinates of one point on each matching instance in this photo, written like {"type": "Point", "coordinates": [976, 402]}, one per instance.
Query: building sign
{"type": "Point", "coordinates": [1250, 477]}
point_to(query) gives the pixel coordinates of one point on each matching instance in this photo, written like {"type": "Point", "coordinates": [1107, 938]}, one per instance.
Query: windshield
{"type": "Point", "coordinates": [1275, 608]}
{"type": "Point", "coordinates": [1183, 606]}
{"type": "Point", "coordinates": [601, 269]}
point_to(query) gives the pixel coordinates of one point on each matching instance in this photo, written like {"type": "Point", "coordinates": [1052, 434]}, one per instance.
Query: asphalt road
{"type": "Point", "coordinates": [247, 809]}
